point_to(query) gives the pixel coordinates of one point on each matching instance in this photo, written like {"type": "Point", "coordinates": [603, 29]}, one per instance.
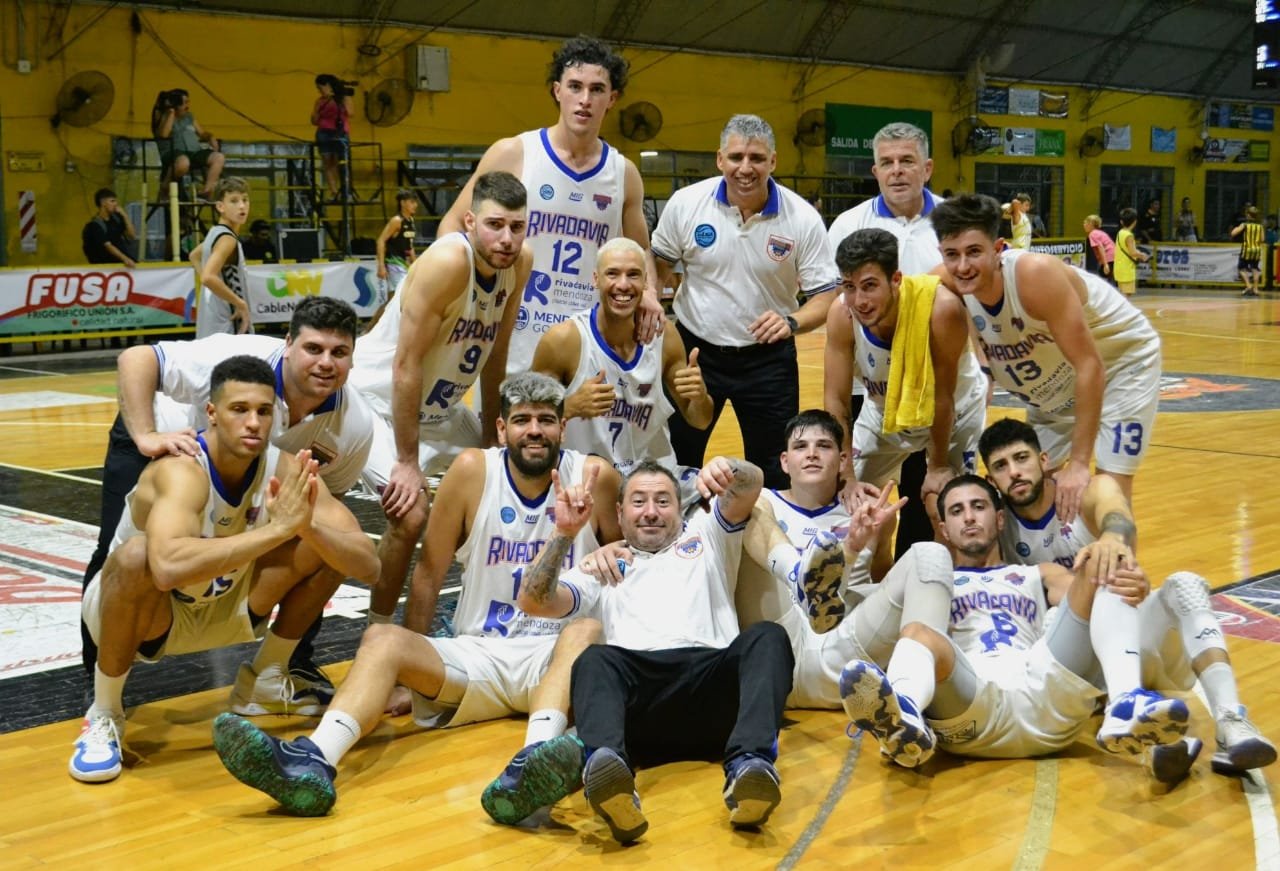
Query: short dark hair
{"type": "Point", "coordinates": [582, 50]}
{"type": "Point", "coordinates": [324, 313]}
{"type": "Point", "coordinates": [260, 224]}
{"type": "Point", "coordinates": [648, 467]}
{"type": "Point", "coordinates": [814, 418]}
{"type": "Point", "coordinates": [405, 194]}
{"type": "Point", "coordinates": [1128, 215]}
{"type": "Point", "coordinates": [966, 212]}
{"type": "Point", "coordinates": [499, 187]}
{"type": "Point", "coordinates": [103, 194]}
{"type": "Point", "coordinates": [1004, 432]}
{"type": "Point", "coordinates": [229, 184]}
{"type": "Point", "coordinates": [330, 80]}
{"type": "Point", "coordinates": [244, 368]}
{"type": "Point", "coordinates": [963, 480]}
{"type": "Point", "coordinates": [871, 245]}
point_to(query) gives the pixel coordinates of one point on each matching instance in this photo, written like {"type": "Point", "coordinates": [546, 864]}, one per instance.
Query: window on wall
{"type": "Point", "coordinates": [437, 173]}
{"type": "Point", "coordinates": [1043, 183]}
{"type": "Point", "coordinates": [849, 181]}
{"type": "Point", "coordinates": [1134, 187]}
{"type": "Point", "coordinates": [1226, 193]}
{"type": "Point", "coordinates": [665, 172]}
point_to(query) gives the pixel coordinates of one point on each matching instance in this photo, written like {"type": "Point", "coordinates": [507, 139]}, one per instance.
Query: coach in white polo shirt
{"type": "Point", "coordinates": [749, 246]}
{"type": "Point", "coordinates": [902, 168]}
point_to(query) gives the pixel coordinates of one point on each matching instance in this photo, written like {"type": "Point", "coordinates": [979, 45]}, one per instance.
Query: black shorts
{"type": "Point", "coordinates": [1247, 265]}
{"type": "Point", "coordinates": [332, 142]}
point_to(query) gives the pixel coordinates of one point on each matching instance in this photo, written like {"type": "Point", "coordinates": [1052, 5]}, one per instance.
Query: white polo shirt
{"type": "Point", "coordinates": [338, 433]}
{"type": "Point", "coordinates": [917, 242]}
{"type": "Point", "coordinates": [736, 270]}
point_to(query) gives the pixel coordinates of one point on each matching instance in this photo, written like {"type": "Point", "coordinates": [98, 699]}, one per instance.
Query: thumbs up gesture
{"type": "Point", "coordinates": [594, 398]}
{"type": "Point", "coordinates": [688, 380]}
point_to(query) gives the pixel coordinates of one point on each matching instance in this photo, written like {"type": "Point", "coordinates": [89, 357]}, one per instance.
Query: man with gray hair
{"type": "Point", "coordinates": [748, 246]}
{"type": "Point", "coordinates": [493, 514]}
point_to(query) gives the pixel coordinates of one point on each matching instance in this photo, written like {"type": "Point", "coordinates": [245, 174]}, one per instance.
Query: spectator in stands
{"type": "Point", "coordinates": [1104, 249]}
{"type": "Point", "coordinates": [109, 235]}
{"type": "Point", "coordinates": [1149, 229]}
{"type": "Point", "coordinates": [1184, 228]}
{"type": "Point", "coordinates": [331, 116]}
{"type": "Point", "coordinates": [183, 143]}
{"type": "Point", "coordinates": [259, 244]}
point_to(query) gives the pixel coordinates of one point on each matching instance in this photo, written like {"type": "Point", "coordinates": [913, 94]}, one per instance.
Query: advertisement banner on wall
{"type": "Point", "coordinates": [1068, 250]}
{"type": "Point", "coordinates": [850, 128]}
{"type": "Point", "coordinates": [92, 299]}
{"type": "Point", "coordinates": [1192, 264]}
{"type": "Point", "coordinates": [275, 290]}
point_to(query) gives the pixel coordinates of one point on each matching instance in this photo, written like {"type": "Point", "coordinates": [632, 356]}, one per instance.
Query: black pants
{"type": "Point", "coordinates": [763, 383]}
{"type": "Point", "coordinates": [120, 473]}
{"type": "Point", "coordinates": [913, 520]}
{"type": "Point", "coordinates": [689, 703]}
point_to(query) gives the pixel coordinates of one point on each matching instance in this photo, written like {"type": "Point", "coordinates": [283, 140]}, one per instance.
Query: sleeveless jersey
{"type": "Point", "coordinates": [221, 517]}
{"type": "Point", "coordinates": [399, 245]}
{"type": "Point", "coordinates": [636, 427]}
{"type": "Point", "coordinates": [506, 536]}
{"type": "Point", "coordinates": [1251, 239]}
{"type": "Point", "coordinates": [1026, 360]}
{"type": "Point", "coordinates": [998, 610]}
{"type": "Point", "coordinates": [1047, 540]}
{"type": "Point", "coordinates": [872, 357]}
{"type": "Point", "coordinates": [467, 334]}
{"type": "Point", "coordinates": [213, 314]}
{"type": "Point", "coordinates": [571, 214]}
{"type": "Point", "coordinates": [801, 524]}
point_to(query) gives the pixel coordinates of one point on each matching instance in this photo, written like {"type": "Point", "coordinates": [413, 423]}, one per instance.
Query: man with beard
{"type": "Point", "coordinates": [1181, 639]}
{"type": "Point", "coordinates": [449, 325]}
{"type": "Point", "coordinates": [494, 514]}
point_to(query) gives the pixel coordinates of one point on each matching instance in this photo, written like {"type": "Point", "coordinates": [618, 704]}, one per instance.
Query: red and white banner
{"type": "Point", "coordinates": [90, 299]}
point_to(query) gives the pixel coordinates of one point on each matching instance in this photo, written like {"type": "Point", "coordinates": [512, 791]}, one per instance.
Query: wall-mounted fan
{"type": "Point", "coordinates": [811, 128]}
{"type": "Point", "coordinates": [1093, 142]}
{"type": "Point", "coordinates": [83, 99]}
{"type": "Point", "coordinates": [388, 102]}
{"type": "Point", "coordinates": [972, 135]}
{"type": "Point", "coordinates": [640, 122]}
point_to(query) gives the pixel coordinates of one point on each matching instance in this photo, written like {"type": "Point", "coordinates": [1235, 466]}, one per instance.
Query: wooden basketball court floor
{"type": "Point", "coordinates": [1206, 500]}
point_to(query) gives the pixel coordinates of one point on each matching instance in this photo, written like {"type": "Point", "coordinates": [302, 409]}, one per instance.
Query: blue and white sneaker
{"type": "Point", "coordinates": [536, 777]}
{"type": "Point", "coordinates": [818, 585]}
{"type": "Point", "coordinates": [97, 758]}
{"type": "Point", "coordinates": [751, 789]}
{"type": "Point", "coordinates": [611, 792]}
{"type": "Point", "coordinates": [1240, 745]}
{"type": "Point", "coordinates": [309, 678]}
{"type": "Point", "coordinates": [274, 691]}
{"type": "Point", "coordinates": [894, 720]}
{"type": "Point", "coordinates": [294, 773]}
{"type": "Point", "coordinates": [1139, 719]}
{"type": "Point", "coordinates": [1171, 763]}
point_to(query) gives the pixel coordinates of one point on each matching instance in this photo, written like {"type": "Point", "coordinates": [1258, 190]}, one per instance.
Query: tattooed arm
{"type": "Point", "coordinates": [736, 482]}
{"type": "Point", "coordinates": [1108, 517]}
{"type": "Point", "coordinates": [541, 593]}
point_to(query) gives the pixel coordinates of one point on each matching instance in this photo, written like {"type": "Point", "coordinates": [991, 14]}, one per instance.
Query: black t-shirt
{"type": "Point", "coordinates": [1148, 229]}
{"type": "Point", "coordinates": [253, 251]}
{"type": "Point", "coordinates": [97, 233]}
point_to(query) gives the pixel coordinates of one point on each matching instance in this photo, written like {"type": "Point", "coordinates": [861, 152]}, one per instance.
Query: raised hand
{"type": "Point", "coordinates": [574, 504]}
{"type": "Point", "coordinates": [594, 398]}
{"type": "Point", "coordinates": [868, 518]}
{"type": "Point", "coordinates": [688, 380]}
{"type": "Point", "coordinates": [292, 498]}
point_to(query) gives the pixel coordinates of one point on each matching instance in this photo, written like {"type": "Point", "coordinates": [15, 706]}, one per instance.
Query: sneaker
{"type": "Point", "coordinates": [820, 572]}
{"type": "Point", "coordinates": [1140, 718]}
{"type": "Point", "coordinates": [294, 773]}
{"type": "Point", "coordinates": [1170, 763]}
{"type": "Point", "coordinates": [309, 679]}
{"type": "Point", "coordinates": [611, 792]}
{"type": "Point", "coordinates": [97, 756]}
{"type": "Point", "coordinates": [1241, 746]}
{"type": "Point", "coordinates": [272, 692]}
{"type": "Point", "coordinates": [751, 790]}
{"type": "Point", "coordinates": [893, 719]}
{"type": "Point", "coordinates": [536, 777]}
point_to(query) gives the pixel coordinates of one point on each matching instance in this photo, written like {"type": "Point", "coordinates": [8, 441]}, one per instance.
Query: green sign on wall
{"type": "Point", "coordinates": [851, 128]}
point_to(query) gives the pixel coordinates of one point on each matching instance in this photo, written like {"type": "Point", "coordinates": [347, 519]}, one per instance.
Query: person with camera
{"type": "Point", "coordinates": [331, 116]}
{"type": "Point", "coordinates": [183, 143]}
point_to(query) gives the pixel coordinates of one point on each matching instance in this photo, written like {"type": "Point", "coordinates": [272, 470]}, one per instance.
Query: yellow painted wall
{"type": "Point", "coordinates": [264, 69]}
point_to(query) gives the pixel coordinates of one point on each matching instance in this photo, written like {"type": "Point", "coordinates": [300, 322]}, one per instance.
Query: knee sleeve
{"type": "Point", "coordinates": [1185, 596]}
{"type": "Point", "coordinates": [927, 595]}
{"type": "Point", "coordinates": [953, 696]}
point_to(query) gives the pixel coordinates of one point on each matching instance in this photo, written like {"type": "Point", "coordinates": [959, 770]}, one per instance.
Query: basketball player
{"type": "Point", "coordinates": [1182, 640]}
{"type": "Point", "coordinates": [223, 306]}
{"type": "Point", "coordinates": [449, 325]}
{"type": "Point", "coordinates": [873, 288]}
{"type": "Point", "coordinates": [493, 514]}
{"type": "Point", "coordinates": [1083, 359]}
{"type": "Point", "coordinates": [583, 193]}
{"type": "Point", "coordinates": [206, 548]}
{"type": "Point", "coordinates": [1003, 685]}
{"type": "Point", "coordinates": [617, 389]}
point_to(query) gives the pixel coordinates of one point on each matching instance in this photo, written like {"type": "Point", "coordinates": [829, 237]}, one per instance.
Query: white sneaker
{"type": "Point", "coordinates": [1141, 718]}
{"type": "Point", "coordinates": [273, 691]}
{"type": "Point", "coordinates": [1241, 746]}
{"type": "Point", "coordinates": [97, 756]}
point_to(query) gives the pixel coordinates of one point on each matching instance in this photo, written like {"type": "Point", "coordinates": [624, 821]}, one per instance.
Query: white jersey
{"type": "Point", "coordinates": [1047, 540]}
{"type": "Point", "coordinates": [681, 596]}
{"type": "Point", "coordinates": [467, 335]}
{"type": "Point", "coordinates": [338, 433]}
{"type": "Point", "coordinates": [221, 517]}
{"type": "Point", "coordinates": [735, 270]}
{"type": "Point", "coordinates": [801, 524]}
{"type": "Point", "coordinates": [571, 214]}
{"type": "Point", "coordinates": [917, 242]}
{"type": "Point", "coordinates": [636, 427]}
{"type": "Point", "coordinates": [213, 314]}
{"type": "Point", "coordinates": [871, 354]}
{"type": "Point", "coordinates": [506, 536]}
{"type": "Point", "coordinates": [997, 611]}
{"type": "Point", "coordinates": [1024, 356]}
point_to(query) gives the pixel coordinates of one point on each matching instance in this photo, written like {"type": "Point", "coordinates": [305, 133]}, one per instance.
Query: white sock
{"type": "Point", "coordinates": [911, 672]}
{"type": "Point", "coordinates": [108, 692]}
{"type": "Point", "coordinates": [274, 650]}
{"type": "Point", "coordinates": [376, 618]}
{"type": "Point", "coordinates": [1219, 683]}
{"type": "Point", "coordinates": [337, 733]}
{"type": "Point", "coordinates": [544, 725]}
{"type": "Point", "coordinates": [1113, 629]}
{"type": "Point", "coordinates": [783, 565]}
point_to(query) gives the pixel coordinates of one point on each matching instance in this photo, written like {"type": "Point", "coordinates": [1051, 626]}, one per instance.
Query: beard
{"type": "Point", "coordinates": [536, 467]}
{"type": "Point", "coordinates": [1032, 496]}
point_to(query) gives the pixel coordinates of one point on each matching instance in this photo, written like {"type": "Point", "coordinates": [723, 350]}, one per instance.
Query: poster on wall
{"type": "Point", "coordinates": [1054, 105]}
{"type": "Point", "coordinates": [1020, 141]}
{"type": "Point", "coordinates": [1236, 151]}
{"type": "Point", "coordinates": [1241, 116]}
{"type": "Point", "coordinates": [275, 290]}
{"type": "Point", "coordinates": [1118, 137]}
{"type": "Point", "coordinates": [851, 128]}
{"type": "Point", "coordinates": [1051, 143]}
{"type": "Point", "coordinates": [993, 101]}
{"type": "Point", "coordinates": [1192, 264]}
{"type": "Point", "coordinates": [1024, 101]}
{"type": "Point", "coordinates": [1164, 140]}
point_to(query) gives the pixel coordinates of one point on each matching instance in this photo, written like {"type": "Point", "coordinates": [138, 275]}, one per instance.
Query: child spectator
{"type": "Point", "coordinates": [1127, 255]}
{"type": "Point", "coordinates": [1103, 248]}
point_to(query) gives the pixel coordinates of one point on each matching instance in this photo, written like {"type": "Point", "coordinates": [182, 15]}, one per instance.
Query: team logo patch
{"type": "Point", "coordinates": [643, 389]}
{"type": "Point", "coordinates": [980, 322]}
{"type": "Point", "coordinates": [546, 192]}
{"type": "Point", "coordinates": [690, 548]}
{"type": "Point", "coordinates": [704, 235]}
{"type": "Point", "coordinates": [500, 298]}
{"type": "Point", "coordinates": [995, 328]}
{"type": "Point", "coordinates": [251, 516]}
{"type": "Point", "coordinates": [508, 514]}
{"type": "Point", "coordinates": [602, 202]}
{"type": "Point", "coordinates": [1015, 578]}
{"type": "Point", "coordinates": [960, 580]}
{"type": "Point", "coordinates": [780, 247]}
{"type": "Point", "coordinates": [1023, 549]}
{"type": "Point", "coordinates": [575, 197]}
{"type": "Point", "coordinates": [1018, 323]}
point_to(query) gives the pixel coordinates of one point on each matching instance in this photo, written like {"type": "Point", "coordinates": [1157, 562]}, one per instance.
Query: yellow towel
{"type": "Point", "coordinates": [908, 398]}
